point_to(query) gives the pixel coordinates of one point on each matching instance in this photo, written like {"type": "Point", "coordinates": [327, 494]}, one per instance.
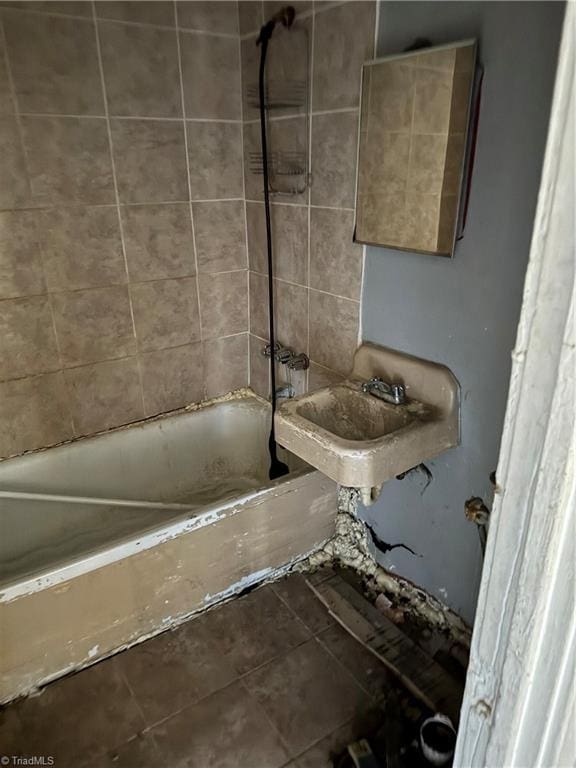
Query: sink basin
{"type": "Point", "coordinates": [346, 412]}
{"type": "Point", "coordinates": [360, 440]}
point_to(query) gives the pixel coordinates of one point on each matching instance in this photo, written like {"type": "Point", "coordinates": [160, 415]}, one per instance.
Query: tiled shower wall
{"type": "Point", "coordinates": [318, 268]}
{"type": "Point", "coordinates": [123, 264]}
{"type": "Point", "coordinates": [125, 207]}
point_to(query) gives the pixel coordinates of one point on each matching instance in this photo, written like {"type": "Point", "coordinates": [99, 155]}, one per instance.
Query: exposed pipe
{"type": "Point", "coordinates": [285, 16]}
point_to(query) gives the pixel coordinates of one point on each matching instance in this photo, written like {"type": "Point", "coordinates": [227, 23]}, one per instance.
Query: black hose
{"type": "Point", "coordinates": [277, 467]}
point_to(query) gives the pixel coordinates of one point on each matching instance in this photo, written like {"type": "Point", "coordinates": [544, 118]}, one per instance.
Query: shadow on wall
{"type": "Point", "coordinates": [464, 312]}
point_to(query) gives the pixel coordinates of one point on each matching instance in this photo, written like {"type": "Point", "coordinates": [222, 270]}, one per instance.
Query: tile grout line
{"type": "Point", "coordinates": [142, 118]}
{"type": "Point", "coordinates": [271, 723]}
{"type": "Point", "coordinates": [306, 287]}
{"type": "Point", "coordinates": [117, 198]}
{"type": "Point", "coordinates": [105, 286]}
{"type": "Point", "coordinates": [186, 147]}
{"type": "Point", "coordinates": [121, 22]}
{"type": "Point", "coordinates": [342, 666]}
{"type": "Point", "coordinates": [310, 182]}
{"type": "Point", "coordinates": [322, 207]}
{"type": "Point", "coordinates": [249, 357]}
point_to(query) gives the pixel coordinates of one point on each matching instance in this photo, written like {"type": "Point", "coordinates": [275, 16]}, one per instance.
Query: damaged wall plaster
{"type": "Point", "coordinates": [351, 547]}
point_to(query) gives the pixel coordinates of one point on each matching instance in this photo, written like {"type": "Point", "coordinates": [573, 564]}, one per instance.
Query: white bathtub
{"type": "Point", "coordinates": [109, 539]}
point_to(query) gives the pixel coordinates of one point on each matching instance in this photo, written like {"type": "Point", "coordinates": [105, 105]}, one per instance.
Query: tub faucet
{"type": "Point", "coordinates": [390, 393]}
{"type": "Point", "coordinates": [285, 391]}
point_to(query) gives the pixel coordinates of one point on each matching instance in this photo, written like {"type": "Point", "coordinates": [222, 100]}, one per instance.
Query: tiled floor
{"type": "Point", "coordinates": [265, 681]}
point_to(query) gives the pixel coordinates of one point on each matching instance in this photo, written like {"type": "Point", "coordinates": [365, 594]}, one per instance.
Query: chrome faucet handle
{"type": "Point", "coordinates": [267, 351]}
{"type": "Point", "coordinates": [299, 362]}
{"type": "Point", "coordinates": [284, 355]}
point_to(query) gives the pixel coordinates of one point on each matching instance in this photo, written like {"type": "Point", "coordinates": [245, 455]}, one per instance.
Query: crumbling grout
{"type": "Point", "coordinates": [350, 548]}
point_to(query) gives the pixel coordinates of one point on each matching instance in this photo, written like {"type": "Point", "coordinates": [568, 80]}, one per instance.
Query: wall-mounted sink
{"type": "Point", "coordinates": [360, 440]}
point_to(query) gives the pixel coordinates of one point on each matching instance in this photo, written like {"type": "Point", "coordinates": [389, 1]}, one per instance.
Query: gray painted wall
{"type": "Point", "coordinates": [464, 312]}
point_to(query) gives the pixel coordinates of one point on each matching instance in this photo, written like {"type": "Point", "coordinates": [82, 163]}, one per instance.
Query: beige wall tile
{"type": "Point", "coordinates": [21, 271]}
{"type": "Point", "coordinates": [445, 60]}
{"type": "Point", "coordinates": [253, 182]}
{"type": "Point", "coordinates": [427, 162]}
{"type": "Point", "coordinates": [250, 13]}
{"type": "Point", "coordinates": [82, 248]}
{"type": "Point", "coordinates": [14, 184]}
{"type": "Point", "coordinates": [432, 101]}
{"type": "Point", "coordinates": [215, 153]}
{"type": "Point", "coordinates": [333, 331]}
{"type": "Point", "coordinates": [384, 162]}
{"type": "Point", "coordinates": [209, 16]}
{"type": "Point", "coordinates": [454, 163]}
{"type": "Point", "coordinates": [68, 160]}
{"type": "Point", "coordinates": [66, 7]}
{"type": "Point", "coordinates": [211, 76]}
{"type": "Point", "coordinates": [250, 57]}
{"type": "Point", "coordinates": [259, 305]}
{"type": "Point", "coordinates": [289, 135]}
{"type": "Point", "coordinates": [393, 99]}
{"type": "Point", "coordinates": [104, 395]}
{"type": "Point", "coordinates": [291, 307]}
{"type": "Point", "coordinates": [226, 364]}
{"type": "Point", "coordinates": [150, 160]}
{"type": "Point", "coordinates": [220, 232]}
{"type": "Point", "coordinates": [27, 340]}
{"type": "Point", "coordinates": [256, 231]}
{"type": "Point", "coordinates": [54, 64]}
{"type": "Point", "coordinates": [165, 313]}
{"type": "Point", "coordinates": [460, 102]}
{"type": "Point", "coordinates": [172, 378]}
{"type": "Point", "coordinates": [335, 260]}
{"type": "Point", "coordinates": [33, 413]}
{"type": "Point", "coordinates": [143, 11]}
{"type": "Point", "coordinates": [382, 219]}
{"type": "Point", "coordinates": [6, 102]}
{"type": "Point", "coordinates": [141, 70]}
{"type": "Point", "coordinates": [319, 377]}
{"type": "Point", "coordinates": [334, 148]}
{"type": "Point", "coordinates": [289, 240]}
{"type": "Point", "coordinates": [223, 304]}
{"type": "Point", "coordinates": [259, 368]}
{"type": "Point", "coordinates": [288, 58]}
{"type": "Point", "coordinates": [343, 41]}
{"type": "Point", "coordinates": [422, 219]}
{"type": "Point", "coordinates": [158, 241]}
{"type": "Point", "coordinates": [93, 325]}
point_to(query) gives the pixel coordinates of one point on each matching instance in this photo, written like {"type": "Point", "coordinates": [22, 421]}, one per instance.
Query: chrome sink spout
{"type": "Point", "coordinates": [390, 393]}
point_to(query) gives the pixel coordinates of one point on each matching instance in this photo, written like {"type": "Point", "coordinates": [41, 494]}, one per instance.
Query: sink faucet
{"type": "Point", "coordinates": [391, 393]}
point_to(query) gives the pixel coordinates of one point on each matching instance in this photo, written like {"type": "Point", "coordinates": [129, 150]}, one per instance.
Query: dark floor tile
{"type": "Point", "coordinates": [226, 730]}
{"type": "Point", "coordinates": [254, 629]}
{"type": "Point", "coordinates": [82, 716]}
{"type": "Point", "coordinates": [363, 665]}
{"type": "Point", "coordinates": [294, 591]}
{"type": "Point", "coordinates": [306, 694]}
{"type": "Point", "coordinates": [140, 752]}
{"type": "Point", "coordinates": [323, 753]}
{"type": "Point", "coordinates": [12, 734]}
{"type": "Point", "coordinates": [175, 669]}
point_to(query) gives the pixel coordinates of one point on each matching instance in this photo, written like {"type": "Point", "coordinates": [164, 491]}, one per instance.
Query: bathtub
{"type": "Point", "coordinates": [107, 540]}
